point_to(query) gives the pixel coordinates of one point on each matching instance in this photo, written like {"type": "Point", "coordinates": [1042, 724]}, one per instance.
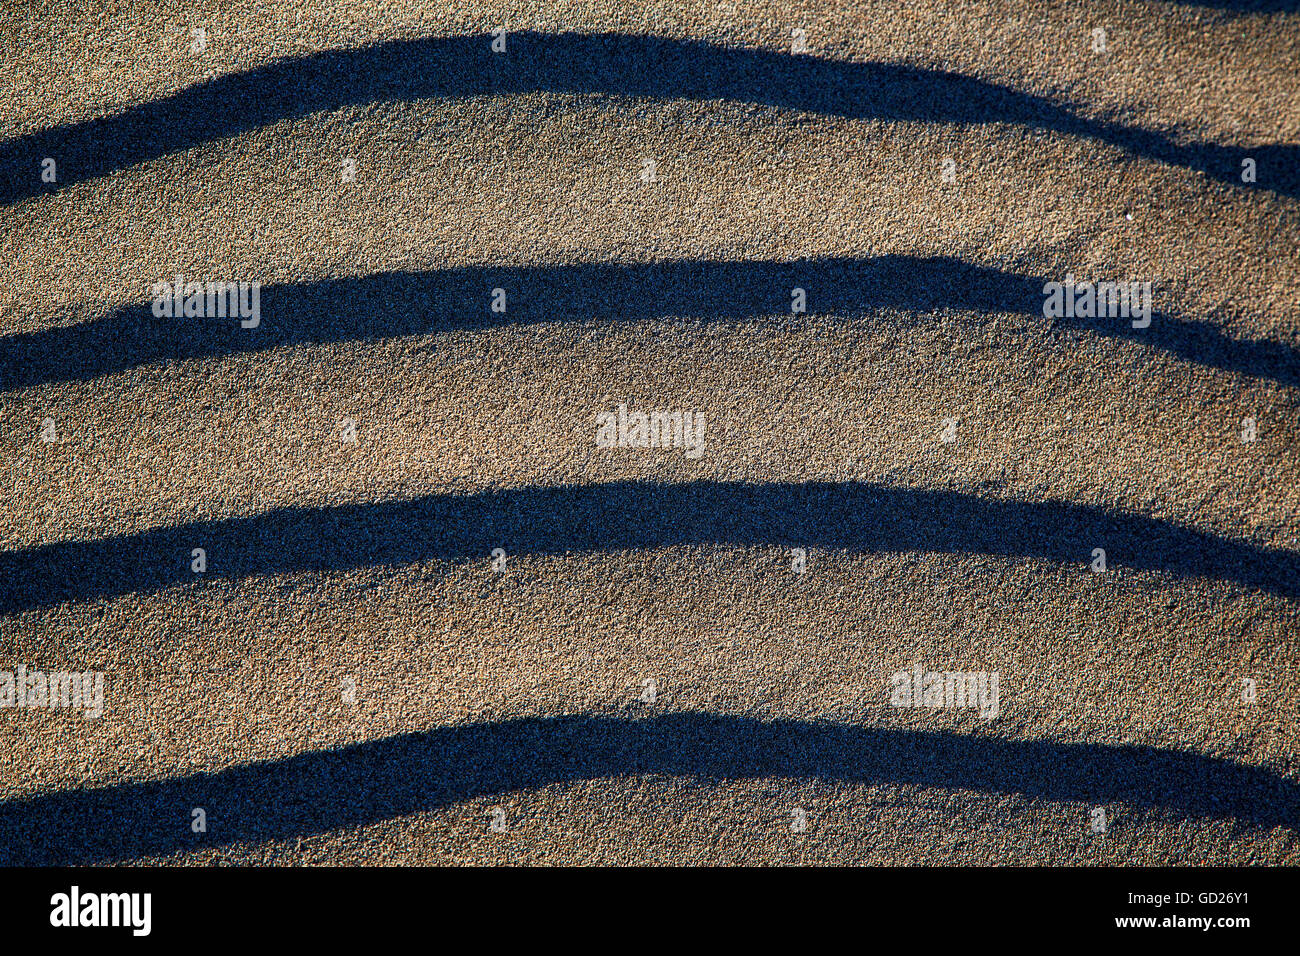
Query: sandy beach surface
{"type": "Point", "coordinates": [437, 622]}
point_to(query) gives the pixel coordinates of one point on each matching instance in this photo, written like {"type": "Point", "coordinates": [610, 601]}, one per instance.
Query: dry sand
{"type": "Point", "coordinates": [351, 681]}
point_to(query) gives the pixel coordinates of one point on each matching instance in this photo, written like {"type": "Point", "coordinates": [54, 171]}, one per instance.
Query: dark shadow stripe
{"type": "Point", "coordinates": [600, 64]}
{"type": "Point", "coordinates": [388, 305]}
{"type": "Point", "coordinates": [366, 783]}
{"type": "Point", "coordinates": [627, 516]}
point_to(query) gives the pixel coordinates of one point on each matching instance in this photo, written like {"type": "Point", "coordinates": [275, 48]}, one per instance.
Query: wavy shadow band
{"type": "Point", "coordinates": [577, 63]}
{"type": "Point", "coordinates": [627, 516]}
{"type": "Point", "coordinates": [381, 780]}
{"type": "Point", "coordinates": [389, 305]}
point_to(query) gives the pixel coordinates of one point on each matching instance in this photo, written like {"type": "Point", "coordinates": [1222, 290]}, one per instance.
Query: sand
{"type": "Point", "coordinates": [354, 678]}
